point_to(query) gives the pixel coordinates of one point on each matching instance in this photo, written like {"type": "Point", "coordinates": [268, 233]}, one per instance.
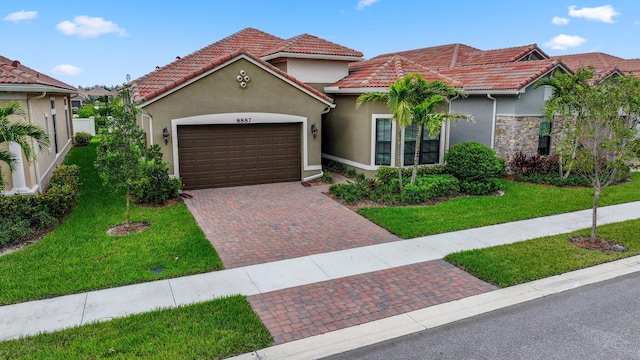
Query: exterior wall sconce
{"type": "Point", "coordinates": [165, 136]}
{"type": "Point", "coordinates": [314, 130]}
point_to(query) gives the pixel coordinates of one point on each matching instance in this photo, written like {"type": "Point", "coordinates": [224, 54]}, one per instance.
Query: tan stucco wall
{"type": "Point", "coordinates": [220, 92]}
{"type": "Point", "coordinates": [47, 160]}
{"type": "Point", "coordinates": [347, 130]}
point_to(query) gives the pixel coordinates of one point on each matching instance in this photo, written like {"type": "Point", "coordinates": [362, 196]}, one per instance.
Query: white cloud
{"type": "Point", "coordinates": [559, 20]}
{"type": "Point", "coordinates": [66, 69]}
{"type": "Point", "coordinates": [21, 15]}
{"type": "Point", "coordinates": [563, 42]}
{"type": "Point", "coordinates": [89, 27]}
{"type": "Point", "coordinates": [603, 13]}
{"type": "Point", "coordinates": [364, 3]}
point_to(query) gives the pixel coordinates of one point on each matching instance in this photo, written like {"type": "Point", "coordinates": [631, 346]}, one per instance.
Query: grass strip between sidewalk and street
{"type": "Point", "coordinates": [79, 255]}
{"type": "Point", "coordinates": [520, 201]}
{"type": "Point", "coordinates": [213, 330]}
{"type": "Point", "coordinates": [525, 261]}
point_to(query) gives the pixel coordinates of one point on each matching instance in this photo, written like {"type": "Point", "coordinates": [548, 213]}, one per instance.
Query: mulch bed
{"type": "Point", "coordinates": [127, 229]}
{"type": "Point", "coordinates": [599, 244]}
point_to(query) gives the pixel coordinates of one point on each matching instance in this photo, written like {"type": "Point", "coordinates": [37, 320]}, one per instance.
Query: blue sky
{"type": "Point", "coordinates": [100, 42]}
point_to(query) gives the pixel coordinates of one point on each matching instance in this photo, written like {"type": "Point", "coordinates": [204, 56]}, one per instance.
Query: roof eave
{"type": "Point", "coordinates": [311, 56]}
{"type": "Point", "coordinates": [146, 102]}
{"type": "Point", "coordinates": [493, 92]}
{"type": "Point", "coordinates": [358, 90]}
{"type": "Point", "coordinates": [28, 88]}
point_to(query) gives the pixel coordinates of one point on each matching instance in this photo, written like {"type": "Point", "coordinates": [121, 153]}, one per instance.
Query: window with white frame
{"type": "Point", "coordinates": [383, 141]}
{"type": "Point", "coordinates": [429, 146]}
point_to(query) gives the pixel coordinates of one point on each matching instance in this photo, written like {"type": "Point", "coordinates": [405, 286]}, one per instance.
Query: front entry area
{"type": "Point", "coordinates": [223, 155]}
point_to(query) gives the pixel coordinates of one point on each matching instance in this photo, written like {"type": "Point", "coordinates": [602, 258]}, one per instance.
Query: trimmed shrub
{"type": "Point", "coordinates": [386, 174]}
{"type": "Point", "coordinates": [436, 186]}
{"type": "Point", "coordinates": [484, 187]}
{"type": "Point", "coordinates": [414, 194]}
{"type": "Point", "coordinates": [471, 161]}
{"type": "Point", "coordinates": [82, 139]}
{"type": "Point", "coordinates": [155, 186]}
{"type": "Point", "coordinates": [13, 229]}
{"type": "Point", "coordinates": [22, 214]}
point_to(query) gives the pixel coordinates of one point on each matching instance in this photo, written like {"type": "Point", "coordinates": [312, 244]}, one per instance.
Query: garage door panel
{"type": "Point", "coordinates": [233, 155]}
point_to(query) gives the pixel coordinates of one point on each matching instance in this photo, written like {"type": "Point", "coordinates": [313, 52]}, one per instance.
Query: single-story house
{"type": "Point", "coordinates": [253, 108]}
{"type": "Point", "coordinates": [47, 102]}
{"type": "Point", "coordinates": [243, 110]}
{"type": "Point", "coordinates": [499, 95]}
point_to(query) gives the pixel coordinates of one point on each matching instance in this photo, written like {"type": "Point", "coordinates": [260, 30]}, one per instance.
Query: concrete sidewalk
{"type": "Point", "coordinates": [78, 309]}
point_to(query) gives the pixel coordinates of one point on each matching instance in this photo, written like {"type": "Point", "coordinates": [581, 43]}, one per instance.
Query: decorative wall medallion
{"type": "Point", "coordinates": [243, 79]}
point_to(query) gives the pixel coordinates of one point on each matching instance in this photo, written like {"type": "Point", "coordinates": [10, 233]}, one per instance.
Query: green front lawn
{"type": "Point", "coordinates": [79, 255]}
{"type": "Point", "coordinates": [520, 262]}
{"type": "Point", "coordinates": [213, 330]}
{"type": "Point", "coordinates": [521, 201]}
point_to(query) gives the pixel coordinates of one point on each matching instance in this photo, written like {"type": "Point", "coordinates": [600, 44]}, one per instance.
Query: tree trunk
{"type": "Point", "coordinates": [127, 213]}
{"type": "Point", "coordinates": [594, 215]}
{"type": "Point", "coordinates": [416, 158]}
{"type": "Point", "coordinates": [399, 156]}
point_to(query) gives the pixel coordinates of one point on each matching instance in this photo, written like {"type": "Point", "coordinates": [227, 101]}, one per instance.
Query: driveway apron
{"type": "Point", "coordinates": [256, 224]}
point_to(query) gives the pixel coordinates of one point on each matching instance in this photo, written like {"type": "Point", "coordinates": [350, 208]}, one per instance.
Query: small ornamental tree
{"type": "Point", "coordinates": [121, 144]}
{"type": "Point", "coordinates": [599, 133]}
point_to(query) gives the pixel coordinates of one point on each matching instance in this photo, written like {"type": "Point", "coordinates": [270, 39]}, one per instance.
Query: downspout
{"type": "Point", "coordinates": [447, 135]}
{"type": "Point", "coordinates": [493, 119]}
{"type": "Point", "coordinates": [150, 127]}
{"type": "Point", "coordinates": [44, 93]}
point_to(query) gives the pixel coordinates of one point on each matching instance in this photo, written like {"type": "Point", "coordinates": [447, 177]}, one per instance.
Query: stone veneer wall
{"type": "Point", "coordinates": [516, 133]}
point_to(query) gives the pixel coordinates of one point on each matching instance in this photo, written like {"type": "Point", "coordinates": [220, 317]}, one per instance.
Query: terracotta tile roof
{"type": "Point", "coordinates": [503, 76]}
{"type": "Point", "coordinates": [505, 55]}
{"type": "Point", "coordinates": [383, 70]}
{"type": "Point", "coordinates": [437, 57]}
{"type": "Point", "coordinates": [183, 78]}
{"type": "Point", "coordinates": [597, 60]}
{"type": "Point", "coordinates": [601, 62]}
{"type": "Point", "coordinates": [451, 55]}
{"type": "Point", "coordinates": [12, 72]}
{"type": "Point", "coordinates": [463, 66]}
{"type": "Point", "coordinates": [251, 41]}
{"type": "Point", "coordinates": [309, 44]}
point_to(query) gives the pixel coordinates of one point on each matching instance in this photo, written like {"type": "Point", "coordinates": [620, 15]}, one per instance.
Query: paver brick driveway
{"type": "Point", "coordinates": [262, 223]}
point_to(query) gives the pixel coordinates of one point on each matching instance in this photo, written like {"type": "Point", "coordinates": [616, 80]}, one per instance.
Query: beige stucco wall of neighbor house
{"type": "Point", "coordinates": [220, 92]}
{"type": "Point", "coordinates": [38, 112]}
{"type": "Point", "coordinates": [516, 133]}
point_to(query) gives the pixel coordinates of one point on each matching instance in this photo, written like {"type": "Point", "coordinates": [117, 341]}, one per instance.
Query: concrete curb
{"type": "Point", "coordinates": [412, 322]}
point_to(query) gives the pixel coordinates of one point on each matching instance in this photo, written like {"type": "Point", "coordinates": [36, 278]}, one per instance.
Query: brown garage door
{"type": "Point", "coordinates": [233, 155]}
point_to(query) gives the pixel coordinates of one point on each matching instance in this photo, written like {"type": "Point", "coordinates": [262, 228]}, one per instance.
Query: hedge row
{"type": "Point", "coordinates": [23, 215]}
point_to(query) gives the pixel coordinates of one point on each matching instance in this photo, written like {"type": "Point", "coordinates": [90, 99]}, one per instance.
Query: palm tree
{"type": "Point", "coordinates": [403, 95]}
{"type": "Point", "coordinates": [21, 133]}
{"type": "Point", "coordinates": [410, 99]}
{"type": "Point", "coordinates": [424, 116]}
{"type": "Point", "coordinates": [437, 92]}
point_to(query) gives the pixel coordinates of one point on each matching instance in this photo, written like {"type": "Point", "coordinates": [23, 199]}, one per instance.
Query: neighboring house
{"type": "Point", "coordinates": [78, 100]}
{"type": "Point", "coordinates": [244, 110]}
{"type": "Point", "coordinates": [499, 94]}
{"type": "Point", "coordinates": [47, 102]}
{"type": "Point", "coordinates": [604, 64]}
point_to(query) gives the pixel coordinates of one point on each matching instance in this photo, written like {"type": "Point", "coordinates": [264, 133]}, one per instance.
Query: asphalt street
{"type": "Point", "coordinates": [599, 321]}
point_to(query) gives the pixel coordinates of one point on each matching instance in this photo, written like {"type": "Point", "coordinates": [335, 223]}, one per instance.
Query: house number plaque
{"type": "Point", "coordinates": [243, 120]}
